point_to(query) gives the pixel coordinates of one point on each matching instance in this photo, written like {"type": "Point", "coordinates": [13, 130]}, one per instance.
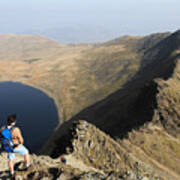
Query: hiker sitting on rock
{"type": "Point", "coordinates": [15, 144]}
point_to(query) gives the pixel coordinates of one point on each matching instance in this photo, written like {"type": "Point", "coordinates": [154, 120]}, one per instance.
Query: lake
{"type": "Point", "coordinates": [37, 115]}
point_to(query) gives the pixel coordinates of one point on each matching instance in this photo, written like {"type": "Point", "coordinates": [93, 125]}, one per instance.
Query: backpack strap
{"type": "Point", "coordinates": [12, 128]}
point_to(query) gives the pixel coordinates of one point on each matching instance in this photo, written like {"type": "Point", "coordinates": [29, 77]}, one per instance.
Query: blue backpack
{"type": "Point", "coordinates": [6, 140]}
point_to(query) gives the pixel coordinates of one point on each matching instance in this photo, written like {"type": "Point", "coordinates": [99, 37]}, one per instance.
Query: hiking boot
{"type": "Point", "coordinates": [28, 168]}
{"type": "Point", "coordinates": [12, 176]}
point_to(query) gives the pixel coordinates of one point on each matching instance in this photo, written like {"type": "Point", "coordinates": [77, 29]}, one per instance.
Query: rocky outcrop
{"type": "Point", "coordinates": [98, 150]}
{"type": "Point", "coordinates": [93, 155]}
{"type": "Point", "coordinates": [92, 146]}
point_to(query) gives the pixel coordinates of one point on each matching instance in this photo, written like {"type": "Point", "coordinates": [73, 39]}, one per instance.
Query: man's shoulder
{"type": "Point", "coordinates": [15, 128]}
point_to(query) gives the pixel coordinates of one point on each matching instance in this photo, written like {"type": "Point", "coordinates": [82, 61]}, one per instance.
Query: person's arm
{"type": "Point", "coordinates": [2, 128]}
{"type": "Point", "coordinates": [19, 135]}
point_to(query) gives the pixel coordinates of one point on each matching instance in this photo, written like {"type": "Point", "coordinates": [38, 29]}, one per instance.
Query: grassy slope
{"type": "Point", "coordinates": [80, 75]}
{"type": "Point", "coordinates": [106, 68]}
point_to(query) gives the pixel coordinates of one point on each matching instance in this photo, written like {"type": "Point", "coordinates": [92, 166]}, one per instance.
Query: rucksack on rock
{"type": "Point", "coordinates": [6, 140]}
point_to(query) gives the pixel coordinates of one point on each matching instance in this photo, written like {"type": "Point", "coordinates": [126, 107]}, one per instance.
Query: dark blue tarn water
{"type": "Point", "coordinates": [37, 115]}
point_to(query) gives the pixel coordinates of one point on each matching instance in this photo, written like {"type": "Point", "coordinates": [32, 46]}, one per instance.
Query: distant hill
{"type": "Point", "coordinates": [79, 34]}
{"type": "Point", "coordinates": [24, 47]}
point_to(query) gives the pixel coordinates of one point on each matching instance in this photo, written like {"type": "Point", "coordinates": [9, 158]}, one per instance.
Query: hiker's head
{"type": "Point", "coordinates": [11, 120]}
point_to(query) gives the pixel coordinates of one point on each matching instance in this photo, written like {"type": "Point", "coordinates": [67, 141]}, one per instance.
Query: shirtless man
{"type": "Point", "coordinates": [19, 148]}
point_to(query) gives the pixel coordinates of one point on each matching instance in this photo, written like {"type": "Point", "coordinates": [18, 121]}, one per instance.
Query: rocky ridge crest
{"type": "Point", "coordinates": [91, 155]}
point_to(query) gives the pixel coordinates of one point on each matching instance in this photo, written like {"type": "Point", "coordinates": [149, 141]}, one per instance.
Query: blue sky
{"type": "Point", "coordinates": [134, 17]}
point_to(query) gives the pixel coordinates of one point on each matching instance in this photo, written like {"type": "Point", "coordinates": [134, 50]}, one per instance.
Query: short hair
{"type": "Point", "coordinates": [11, 118]}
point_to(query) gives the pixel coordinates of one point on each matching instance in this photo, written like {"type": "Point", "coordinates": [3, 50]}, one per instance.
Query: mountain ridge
{"type": "Point", "coordinates": [128, 88]}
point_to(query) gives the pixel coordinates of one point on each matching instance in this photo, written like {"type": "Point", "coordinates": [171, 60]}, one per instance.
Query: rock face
{"type": "Point", "coordinates": [92, 155]}
{"type": "Point", "coordinates": [94, 148]}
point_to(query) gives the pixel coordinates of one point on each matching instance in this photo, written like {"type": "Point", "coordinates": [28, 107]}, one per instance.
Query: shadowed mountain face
{"type": "Point", "coordinates": [134, 104]}
{"type": "Point", "coordinates": [147, 59]}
